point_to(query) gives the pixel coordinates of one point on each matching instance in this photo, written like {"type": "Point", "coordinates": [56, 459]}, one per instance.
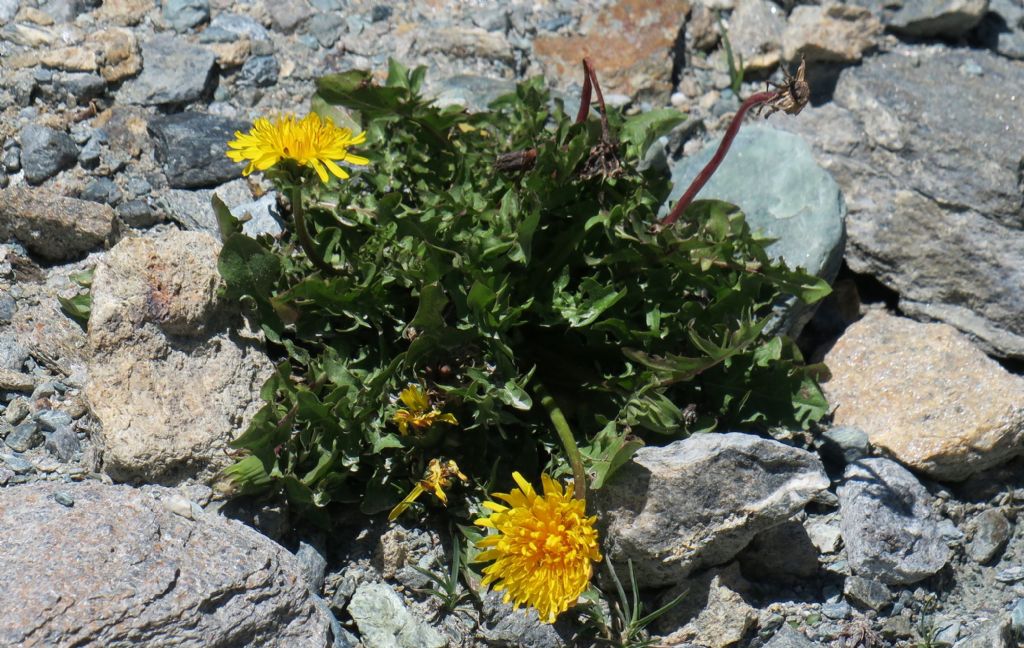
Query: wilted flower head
{"type": "Point", "coordinates": [311, 142]}
{"type": "Point", "coordinates": [543, 548]}
{"type": "Point", "coordinates": [417, 412]}
{"type": "Point", "coordinates": [439, 477]}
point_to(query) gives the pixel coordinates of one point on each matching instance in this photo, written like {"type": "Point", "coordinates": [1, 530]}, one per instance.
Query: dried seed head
{"type": "Point", "coordinates": [794, 93]}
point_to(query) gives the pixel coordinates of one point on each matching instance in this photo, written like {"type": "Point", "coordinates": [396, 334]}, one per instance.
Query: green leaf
{"type": "Point", "coordinates": [226, 223]}
{"type": "Point", "coordinates": [77, 308]}
{"type": "Point", "coordinates": [609, 451]}
{"type": "Point", "coordinates": [248, 268]}
{"type": "Point", "coordinates": [640, 131]}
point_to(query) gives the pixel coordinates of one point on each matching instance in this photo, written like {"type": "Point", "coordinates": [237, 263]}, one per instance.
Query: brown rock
{"type": "Point", "coordinates": [837, 33]}
{"type": "Point", "coordinates": [16, 381]}
{"type": "Point", "coordinates": [168, 380]}
{"type": "Point", "coordinates": [126, 128]}
{"type": "Point", "coordinates": [53, 226]}
{"type": "Point", "coordinates": [119, 51]}
{"type": "Point", "coordinates": [125, 12]}
{"type": "Point", "coordinates": [926, 395]}
{"type": "Point", "coordinates": [72, 59]}
{"type": "Point", "coordinates": [231, 54]}
{"type": "Point", "coordinates": [630, 43]}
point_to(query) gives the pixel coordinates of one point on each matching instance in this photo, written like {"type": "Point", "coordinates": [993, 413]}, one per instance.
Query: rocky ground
{"type": "Point", "coordinates": [896, 526]}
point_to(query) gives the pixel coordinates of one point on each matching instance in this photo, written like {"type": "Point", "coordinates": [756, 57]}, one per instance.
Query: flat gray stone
{"type": "Point", "coordinates": [949, 18]}
{"type": "Point", "coordinates": [891, 532]}
{"type": "Point", "coordinates": [45, 152]}
{"type": "Point", "coordinates": [385, 622]}
{"type": "Point", "coordinates": [784, 194]}
{"type": "Point", "coordinates": [697, 502]}
{"type": "Point", "coordinates": [191, 147]}
{"type": "Point", "coordinates": [118, 568]}
{"type": "Point", "coordinates": [174, 72]}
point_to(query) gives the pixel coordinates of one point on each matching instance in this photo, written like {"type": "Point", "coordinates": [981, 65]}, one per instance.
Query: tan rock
{"type": "Point", "coordinates": [125, 12]}
{"type": "Point", "coordinates": [29, 35]}
{"type": "Point", "coordinates": [629, 43]}
{"type": "Point", "coordinates": [468, 42]}
{"type": "Point", "coordinates": [71, 59]}
{"type": "Point", "coordinates": [119, 51]}
{"type": "Point", "coordinates": [53, 226]}
{"type": "Point", "coordinates": [169, 382]}
{"type": "Point", "coordinates": [33, 15]}
{"type": "Point", "coordinates": [926, 395]}
{"type": "Point", "coordinates": [16, 381]}
{"type": "Point", "coordinates": [837, 33]}
{"type": "Point", "coordinates": [231, 54]}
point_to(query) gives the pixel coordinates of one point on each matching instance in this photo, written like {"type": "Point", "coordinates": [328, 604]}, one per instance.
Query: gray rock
{"type": "Point", "coordinates": [823, 534]}
{"type": "Point", "coordinates": [949, 18]}
{"type": "Point", "coordinates": [1002, 29]}
{"type": "Point", "coordinates": [697, 502]}
{"type": "Point", "coordinates": [45, 152]}
{"type": "Point", "coordinates": [997, 633]}
{"type": "Point", "coordinates": [755, 28]}
{"type": "Point", "coordinates": [16, 411]}
{"type": "Point", "coordinates": [91, 154]}
{"type": "Point", "coordinates": [991, 533]}
{"type": "Point", "coordinates": [62, 443]}
{"type": "Point", "coordinates": [83, 86]}
{"type": "Point", "coordinates": [18, 465]}
{"type": "Point", "coordinates": [314, 565]}
{"type": "Point", "coordinates": [240, 25]}
{"type": "Point", "coordinates": [287, 15]}
{"type": "Point", "coordinates": [503, 626]}
{"type": "Point", "coordinates": [1017, 618]}
{"type": "Point", "coordinates": [261, 216]}
{"type": "Point", "coordinates": [158, 328]}
{"type": "Point", "coordinates": [192, 209]}
{"type": "Point", "coordinates": [892, 533]}
{"type": "Point", "coordinates": [844, 444]}
{"type": "Point", "coordinates": [385, 622]}
{"type": "Point", "coordinates": [8, 306]}
{"type": "Point", "coordinates": [259, 71]}
{"type": "Point", "coordinates": [183, 15]}
{"type": "Point", "coordinates": [797, 203]}
{"type": "Point", "coordinates": [190, 147]}
{"type": "Point", "coordinates": [326, 28]}
{"type": "Point", "coordinates": [102, 190]}
{"type": "Point", "coordinates": [908, 218]}
{"type": "Point", "coordinates": [149, 577]}
{"type": "Point", "coordinates": [138, 213]}
{"type": "Point", "coordinates": [787, 637]}
{"type": "Point", "coordinates": [8, 9]}
{"type": "Point", "coordinates": [472, 91]}
{"type": "Point", "coordinates": [866, 593]}
{"type": "Point", "coordinates": [51, 225]}
{"type": "Point", "coordinates": [13, 353]}
{"type": "Point", "coordinates": [12, 159]}
{"type": "Point", "coordinates": [174, 72]}
{"type": "Point", "coordinates": [24, 436]}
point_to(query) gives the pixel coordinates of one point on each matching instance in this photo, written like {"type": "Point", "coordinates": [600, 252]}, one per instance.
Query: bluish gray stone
{"type": "Point", "coordinates": [313, 565]}
{"type": "Point", "coordinates": [785, 195]}
{"type": "Point", "coordinates": [927, 18]}
{"type": "Point", "coordinates": [190, 147]}
{"type": "Point", "coordinates": [991, 533]}
{"type": "Point", "coordinates": [385, 621]}
{"type": "Point", "coordinates": [240, 25]}
{"type": "Point", "coordinates": [63, 499]}
{"type": "Point", "coordinates": [844, 444]}
{"type": "Point", "coordinates": [102, 190]}
{"type": "Point", "coordinates": [1002, 28]}
{"type": "Point", "coordinates": [17, 464]}
{"type": "Point", "coordinates": [91, 154]}
{"type": "Point", "coordinates": [380, 13]}
{"type": "Point", "coordinates": [12, 159]}
{"type": "Point", "coordinates": [325, 28]}
{"type": "Point", "coordinates": [45, 152]}
{"type": "Point", "coordinates": [16, 411]}
{"type": "Point", "coordinates": [839, 610]}
{"type": "Point", "coordinates": [183, 15]}
{"type": "Point", "coordinates": [83, 86]}
{"type": "Point", "coordinates": [262, 216]}
{"type": "Point", "coordinates": [174, 72]}
{"type": "Point", "coordinates": [787, 637]}
{"type": "Point", "coordinates": [287, 15]}
{"type": "Point", "coordinates": [138, 213]}
{"type": "Point", "coordinates": [891, 531]}
{"type": "Point", "coordinates": [472, 91]}
{"type": "Point", "coordinates": [259, 71]}
{"type": "Point", "coordinates": [8, 9]}
{"type": "Point", "coordinates": [24, 436]}
{"type": "Point", "coordinates": [1017, 619]}
{"type": "Point", "coordinates": [53, 419]}
{"type": "Point", "coordinates": [192, 209]}
{"type": "Point", "coordinates": [13, 353]}
{"type": "Point", "coordinates": [8, 305]}
{"type": "Point", "coordinates": [62, 443]}
{"type": "Point", "coordinates": [866, 593]}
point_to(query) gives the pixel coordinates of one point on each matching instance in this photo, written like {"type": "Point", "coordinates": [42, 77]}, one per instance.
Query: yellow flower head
{"type": "Point", "coordinates": [543, 548]}
{"type": "Point", "coordinates": [311, 141]}
{"type": "Point", "coordinates": [417, 412]}
{"type": "Point", "coordinates": [439, 477]}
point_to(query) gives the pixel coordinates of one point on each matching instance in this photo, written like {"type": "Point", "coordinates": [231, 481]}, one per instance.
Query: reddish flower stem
{"type": "Point", "coordinates": [712, 165]}
{"type": "Point", "coordinates": [581, 114]}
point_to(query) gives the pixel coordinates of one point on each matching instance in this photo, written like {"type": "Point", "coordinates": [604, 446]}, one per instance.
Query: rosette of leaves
{"type": "Point", "coordinates": [489, 287]}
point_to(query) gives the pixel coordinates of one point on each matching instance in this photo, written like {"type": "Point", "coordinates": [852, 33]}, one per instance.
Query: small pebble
{"type": "Point", "coordinates": [63, 499]}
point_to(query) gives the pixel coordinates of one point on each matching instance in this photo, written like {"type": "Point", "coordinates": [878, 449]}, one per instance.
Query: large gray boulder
{"type": "Point", "coordinates": [932, 182]}
{"type": "Point", "coordinates": [86, 564]}
{"type": "Point", "coordinates": [697, 502]}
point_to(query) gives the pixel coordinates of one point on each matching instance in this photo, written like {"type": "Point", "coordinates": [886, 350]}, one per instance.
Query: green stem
{"type": "Point", "coordinates": [305, 240]}
{"type": "Point", "coordinates": [567, 439]}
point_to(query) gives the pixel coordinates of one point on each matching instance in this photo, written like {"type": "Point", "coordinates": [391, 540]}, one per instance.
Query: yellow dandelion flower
{"type": "Point", "coordinates": [543, 549]}
{"type": "Point", "coordinates": [439, 477]}
{"type": "Point", "coordinates": [311, 142]}
{"type": "Point", "coordinates": [417, 412]}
